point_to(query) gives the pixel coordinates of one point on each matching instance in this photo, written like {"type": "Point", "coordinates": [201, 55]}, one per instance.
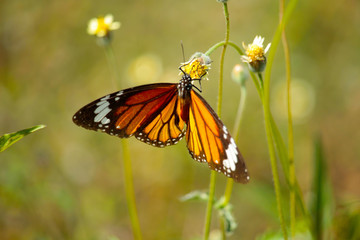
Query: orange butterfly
{"type": "Point", "coordinates": [161, 114]}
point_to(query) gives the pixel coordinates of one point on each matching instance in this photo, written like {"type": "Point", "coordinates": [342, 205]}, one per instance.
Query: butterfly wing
{"type": "Point", "coordinates": [209, 141]}
{"type": "Point", "coordinates": [150, 112]}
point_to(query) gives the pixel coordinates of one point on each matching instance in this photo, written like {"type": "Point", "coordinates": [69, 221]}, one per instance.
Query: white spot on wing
{"type": "Point", "coordinates": [105, 98]}
{"type": "Point", "coordinates": [225, 130]}
{"type": "Point", "coordinates": [102, 114]}
{"type": "Point", "coordinates": [232, 156]}
{"type": "Point", "coordinates": [101, 106]}
{"type": "Point", "coordinates": [105, 120]}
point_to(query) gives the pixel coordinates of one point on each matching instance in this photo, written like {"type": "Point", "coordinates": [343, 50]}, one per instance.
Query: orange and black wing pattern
{"type": "Point", "coordinates": [209, 141]}
{"type": "Point", "coordinates": [150, 112]}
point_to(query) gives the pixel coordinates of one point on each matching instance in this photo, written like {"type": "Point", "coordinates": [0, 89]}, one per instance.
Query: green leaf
{"type": "Point", "coordinates": [282, 154]}
{"type": "Point", "coordinates": [9, 139]}
{"type": "Point", "coordinates": [321, 204]}
{"type": "Point", "coordinates": [195, 195]}
{"type": "Point", "coordinates": [301, 232]}
{"type": "Point", "coordinates": [229, 220]}
{"type": "Point", "coordinates": [347, 222]}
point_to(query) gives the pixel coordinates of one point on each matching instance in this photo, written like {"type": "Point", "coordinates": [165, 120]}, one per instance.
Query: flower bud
{"type": "Point", "coordinates": [239, 74]}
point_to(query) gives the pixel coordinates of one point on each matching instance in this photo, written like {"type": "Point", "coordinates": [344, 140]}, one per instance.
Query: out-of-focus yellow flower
{"type": "Point", "coordinates": [102, 26]}
{"type": "Point", "coordinates": [198, 65]}
{"type": "Point", "coordinates": [255, 54]}
{"type": "Point", "coordinates": [145, 68]}
{"type": "Point", "coordinates": [303, 100]}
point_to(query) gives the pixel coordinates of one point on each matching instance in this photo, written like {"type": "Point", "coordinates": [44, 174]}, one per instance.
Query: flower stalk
{"type": "Point", "coordinates": [101, 27]}
{"type": "Point", "coordinates": [219, 104]}
{"type": "Point", "coordinates": [266, 108]}
{"type": "Point", "coordinates": [128, 177]}
{"type": "Point", "coordinates": [292, 198]}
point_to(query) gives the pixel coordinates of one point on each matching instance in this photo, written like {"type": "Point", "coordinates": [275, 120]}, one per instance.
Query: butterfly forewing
{"type": "Point", "coordinates": [157, 114]}
{"type": "Point", "coordinates": [209, 141]}
{"type": "Point", "coordinates": [150, 112]}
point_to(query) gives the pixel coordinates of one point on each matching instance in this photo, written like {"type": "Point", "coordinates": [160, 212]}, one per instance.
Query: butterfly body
{"type": "Point", "coordinates": [160, 115]}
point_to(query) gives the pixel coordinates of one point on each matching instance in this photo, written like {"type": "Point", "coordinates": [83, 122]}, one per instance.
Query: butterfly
{"type": "Point", "coordinates": [161, 114]}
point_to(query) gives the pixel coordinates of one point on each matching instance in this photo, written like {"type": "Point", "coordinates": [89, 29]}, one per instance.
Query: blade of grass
{"type": "Point", "coordinates": [321, 204]}
{"type": "Point", "coordinates": [266, 106]}
{"type": "Point", "coordinates": [282, 154]}
{"type": "Point", "coordinates": [219, 104]}
{"type": "Point", "coordinates": [290, 126]}
{"type": "Point", "coordinates": [319, 172]}
{"type": "Point", "coordinates": [128, 177]}
{"type": "Point", "coordinates": [9, 139]}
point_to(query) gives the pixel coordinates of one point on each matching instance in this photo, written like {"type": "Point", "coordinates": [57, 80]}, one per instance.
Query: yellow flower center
{"type": "Point", "coordinates": [196, 69]}
{"type": "Point", "coordinates": [102, 27]}
{"type": "Point", "coordinates": [255, 52]}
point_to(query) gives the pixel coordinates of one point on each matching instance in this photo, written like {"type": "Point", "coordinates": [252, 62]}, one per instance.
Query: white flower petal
{"type": "Point", "coordinates": [245, 58]}
{"type": "Point", "coordinates": [114, 26]}
{"type": "Point", "coordinates": [92, 26]}
{"type": "Point", "coordinates": [258, 40]}
{"type": "Point", "coordinates": [108, 19]}
{"type": "Point", "coordinates": [267, 48]}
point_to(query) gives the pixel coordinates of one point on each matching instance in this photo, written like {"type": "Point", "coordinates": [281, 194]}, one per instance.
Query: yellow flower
{"type": "Point", "coordinates": [198, 65]}
{"type": "Point", "coordinates": [255, 54]}
{"type": "Point", "coordinates": [102, 26]}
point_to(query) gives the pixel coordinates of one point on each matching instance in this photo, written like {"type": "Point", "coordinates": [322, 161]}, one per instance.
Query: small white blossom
{"type": "Point", "coordinates": [255, 54]}
{"type": "Point", "coordinates": [102, 26]}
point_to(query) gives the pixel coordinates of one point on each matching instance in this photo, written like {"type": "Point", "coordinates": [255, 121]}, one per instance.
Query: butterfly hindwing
{"type": "Point", "coordinates": [209, 141]}
{"type": "Point", "coordinates": [150, 112]}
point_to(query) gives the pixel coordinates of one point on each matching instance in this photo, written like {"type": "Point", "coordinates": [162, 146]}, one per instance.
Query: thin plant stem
{"type": "Point", "coordinates": [129, 190]}
{"type": "Point", "coordinates": [273, 163]}
{"type": "Point", "coordinates": [267, 113]}
{"type": "Point", "coordinates": [222, 58]}
{"type": "Point", "coordinates": [290, 125]}
{"type": "Point", "coordinates": [219, 104]}
{"type": "Point", "coordinates": [240, 111]}
{"type": "Point", "coordinates": [230, 181]}
{"type": "Point", "coordinates": [238, 49]}
{"type": "Point", "coordinates": [129, 185]}
{"type": "Point", "coordinates": [210, 204]}
{"type": "Point", "coordinates": [110, 56]}
{"type": "Point", "coordinates": [222, 43]}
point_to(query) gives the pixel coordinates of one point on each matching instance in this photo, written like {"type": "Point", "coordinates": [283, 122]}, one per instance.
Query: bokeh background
{"type": "Point", "coordinates": [64, 182]}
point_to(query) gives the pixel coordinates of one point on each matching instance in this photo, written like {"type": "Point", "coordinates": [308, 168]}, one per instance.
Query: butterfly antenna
{"type": "Point", "coordinates": [200, 85]}
{"type": "Point", "coordinates": [182, 49]}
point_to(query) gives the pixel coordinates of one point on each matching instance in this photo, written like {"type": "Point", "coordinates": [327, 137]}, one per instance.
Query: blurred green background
{"type": "Point", "coordinates": [64, 182]}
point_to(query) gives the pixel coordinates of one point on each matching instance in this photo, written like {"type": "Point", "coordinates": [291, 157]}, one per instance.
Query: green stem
{"type": "Point", "coordinates": [238, 49]}
{"type": "Point", "coordinates": [210, 204]}
{"type": "Point", "coordinates": [222, 43]}
{"type": "Point", "coordinates": [240, 111]}
{"type": "Point", "coordinates": [274, 168]}
{"type": "Point", "coordinates": [290, 126]}
{"type": "Point", "coordinates": [129, 185]}
{"type": "Point", "coordinates": [222, 58]}
{"type": "Point", "coordinates": [230, 181]}
{"type": "Point", "coordinates": [266, 107]}
{"type": "Point", "coordinates": [129, 190]}
{"type": "Point", "coordinates": [219, 104]}
{"type": "Point", "coordinates": [111, 59]}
